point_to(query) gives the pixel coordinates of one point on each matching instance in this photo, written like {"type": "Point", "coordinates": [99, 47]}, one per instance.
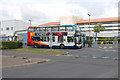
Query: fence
{"type": "Point", "coordinates": [98, 43]}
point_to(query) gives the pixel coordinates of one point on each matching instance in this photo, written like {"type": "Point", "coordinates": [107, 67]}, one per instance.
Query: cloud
{"type": "Point", "coordinates": [30, 12]}
{"type": "Point", "coordinates": [98, 8]}
{"type": "Point", "coordinates": [42, 11]}
{"type": "Point", "coordinates": [110, 12]}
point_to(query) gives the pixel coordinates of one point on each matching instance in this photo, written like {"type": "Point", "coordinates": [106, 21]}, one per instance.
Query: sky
{"type": "Point", "coordinates": [43, 11]}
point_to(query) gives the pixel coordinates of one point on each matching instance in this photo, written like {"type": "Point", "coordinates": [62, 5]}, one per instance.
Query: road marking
{"type": "Point", "coordinates": [105, 47]}
{"type": "Point", "coordinates": [94, 57]}
{"type": "Point", "coordinates": [68, 55]}
{"type": "Point", "coordinates": [58, 55]}
{"type": "Point", "coordinates": [84, 56]}
{"type": "Point", "coordinates": [105, 57]}
{"type": "Point", "coordinates": [115, 58]}
{"type": "Point", "coordinates": [100, 47]}
{"type": "Point", "coordinates": [112, 50]}
{"type": "Point", "coordinates": [110, 47]}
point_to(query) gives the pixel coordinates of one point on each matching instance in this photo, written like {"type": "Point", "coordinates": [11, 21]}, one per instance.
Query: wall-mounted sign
{"type": "Point", "coordinates": [20, 37]}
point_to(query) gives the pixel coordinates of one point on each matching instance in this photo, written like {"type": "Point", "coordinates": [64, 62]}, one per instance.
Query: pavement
{"type": "Point", "coordinates": [78, 63]}
{"type": "Point", "coordinates": [15, 61]}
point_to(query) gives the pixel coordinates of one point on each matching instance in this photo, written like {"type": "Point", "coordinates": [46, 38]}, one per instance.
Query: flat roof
{"type": "Point", "coordinates": [50, 23]}
{"type": "Point", "coordinates": [112, 19]}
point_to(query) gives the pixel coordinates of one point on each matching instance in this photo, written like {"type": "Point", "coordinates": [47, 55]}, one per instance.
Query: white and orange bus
{"type": "Point", "coordinates": [62, 36]}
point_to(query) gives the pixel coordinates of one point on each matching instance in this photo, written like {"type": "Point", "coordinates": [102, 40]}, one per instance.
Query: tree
{"type": "Point", "coordinates": [98, 28]}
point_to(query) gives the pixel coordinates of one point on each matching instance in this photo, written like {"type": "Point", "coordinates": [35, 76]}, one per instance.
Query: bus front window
{"type": "Point", "coordinates": [77, 29]}
{"type": "Point", "coordinates": [70, 39]}
{"type": "Point", "coordinates": [78, 40]}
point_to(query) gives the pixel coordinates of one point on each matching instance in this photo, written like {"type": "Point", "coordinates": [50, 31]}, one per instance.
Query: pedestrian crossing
{"type": "Point", "coordinates": [110, 47]}
{"type": "Point", "coordinates": [93, 57]}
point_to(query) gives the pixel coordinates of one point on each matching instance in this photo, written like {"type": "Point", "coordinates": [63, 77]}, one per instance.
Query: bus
{"type": "Point", "coordinates": [62, 36]}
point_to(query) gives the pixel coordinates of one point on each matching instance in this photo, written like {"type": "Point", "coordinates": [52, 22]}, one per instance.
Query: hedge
{"type": "Point", "coordinates": [11, 45]}
{"type": "Point", "coordinates": [107, 40]}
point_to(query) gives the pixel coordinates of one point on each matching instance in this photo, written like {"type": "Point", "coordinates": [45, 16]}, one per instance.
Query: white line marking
{"type": "Point", "coordinates": [105, 47]}
{"type": "Point", "coordinates": [105, 57]}
{"type": "Point", "coordinates": [94, 57]}
{"type": "Point", "coordinates": [100, 47]}
{"type": "Point", "coordinates": [110, 47]}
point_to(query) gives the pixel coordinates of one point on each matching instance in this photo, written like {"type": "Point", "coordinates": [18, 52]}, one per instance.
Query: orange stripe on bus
{"type": "Point", "coordinates": [39, 43]}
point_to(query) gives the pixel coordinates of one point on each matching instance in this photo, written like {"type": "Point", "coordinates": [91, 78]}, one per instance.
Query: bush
{"type": "Point", "coordinates": [11, 44]}
{"type": "Point", "coordinates": [20, 44]}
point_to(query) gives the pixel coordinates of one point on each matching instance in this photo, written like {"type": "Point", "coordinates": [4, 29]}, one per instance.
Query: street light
{"type": "Point", "coordinates": [30, 22]}
{"type": "Point", "coordinates": [89, 29]}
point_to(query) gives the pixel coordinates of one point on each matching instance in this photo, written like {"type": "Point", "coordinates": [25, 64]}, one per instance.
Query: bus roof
{"type": "Point", "coordinates": [31, 26]}
{"type": "Point", "coordinates": [56, 25]}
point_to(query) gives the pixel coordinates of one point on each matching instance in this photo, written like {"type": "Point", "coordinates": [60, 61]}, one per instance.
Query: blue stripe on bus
{"type": "Point", "coordinates": [46, 46]}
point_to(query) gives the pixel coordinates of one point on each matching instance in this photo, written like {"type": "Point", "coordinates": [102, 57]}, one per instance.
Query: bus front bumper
{"type": "Point", "coordinates": [79, 45]}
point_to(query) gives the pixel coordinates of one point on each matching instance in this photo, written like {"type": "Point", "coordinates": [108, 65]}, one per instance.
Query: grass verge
{"type": "Point", "coordinates": [35, 51]}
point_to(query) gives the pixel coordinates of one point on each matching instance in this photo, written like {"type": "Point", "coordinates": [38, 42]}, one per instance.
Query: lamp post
{"type": "Point", "coordinates": [89, 29]}
{"type": "Point", "coordinates": [30, 22]}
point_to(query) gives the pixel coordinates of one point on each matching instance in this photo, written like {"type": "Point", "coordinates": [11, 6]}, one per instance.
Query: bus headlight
{"type": "Point", "coordinates": [79, 45]}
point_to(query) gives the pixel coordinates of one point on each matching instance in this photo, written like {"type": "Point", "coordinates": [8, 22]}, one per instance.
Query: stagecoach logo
{"type": "Point", "coordinates": [20, 37]}
{"type": "Point", "coordinates": [31, 34]}
{"type": "Point", "coordinates": [70, 33]}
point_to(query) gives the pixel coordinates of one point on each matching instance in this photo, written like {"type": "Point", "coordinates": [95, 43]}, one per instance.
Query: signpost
{"type": "Point", "coordinates": [50, 40]}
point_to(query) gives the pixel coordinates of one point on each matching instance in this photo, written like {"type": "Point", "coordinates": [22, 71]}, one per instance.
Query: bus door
{"type": "Point", "coordinates": [60, 38]}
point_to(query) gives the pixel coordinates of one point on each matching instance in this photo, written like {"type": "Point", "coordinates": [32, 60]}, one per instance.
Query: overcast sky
{"type": "Point", "coordinates": [42, 11]}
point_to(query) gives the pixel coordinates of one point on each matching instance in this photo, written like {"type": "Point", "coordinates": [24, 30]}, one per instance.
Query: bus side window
{"type": "Point", "coordinates": [55, 29]}
{"type": "Point", "coordinates": [44, 38]}
{"type": "Point", "coordinates": [32, 38]}
{"type": "Point", "coordinates": [61, 28]}
{"type": "Point", "coordinates": [37, 29]}
{"type": "Point", "coordinates": [40, 38]}
{"type": "Point", "coordinates": [31, 30]}
{"type": "Point", "coordinates": [36, 39]}
{"type": "Point", "coordinates": [53, 39]}
{"type": "Point", "coordinates": [48, 28]}
{"type": "Point", "coordinates": [69, 28]}
{"type": "Point", "coordinates": [44, 29]}
{"type": "Point", "coordinates": [47, 39]}
{"type": "Point", "coordinates": [40, 29]}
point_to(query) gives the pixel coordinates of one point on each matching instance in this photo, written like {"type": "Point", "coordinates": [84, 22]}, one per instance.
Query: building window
{"type": "Point", "coordinates": [93, 23]}
{"type": "Point", "coordinates": [62, 28]}
{"type": "Point", "coordinates": [11, 28]}
{"type": "Point", "coordinates": [114, 22]}
{"type": "Point", "coordinates": [7, 28]}
{"type": "Point", "coordinates": [106, 22]}
{"type": "Point", "coordinates": [108, 29]}
{"type": "Point", "coordinates": [2, 29]}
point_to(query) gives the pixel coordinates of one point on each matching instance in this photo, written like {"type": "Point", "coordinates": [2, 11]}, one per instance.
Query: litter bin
{"type": "Point", "coordinates": [102, 42]}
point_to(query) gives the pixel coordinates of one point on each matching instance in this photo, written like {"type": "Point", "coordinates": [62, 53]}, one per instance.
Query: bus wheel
{"type": "Point", "coordinates": [61, 46]}
{"type": "Point", "coordinates": [35, 45]}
